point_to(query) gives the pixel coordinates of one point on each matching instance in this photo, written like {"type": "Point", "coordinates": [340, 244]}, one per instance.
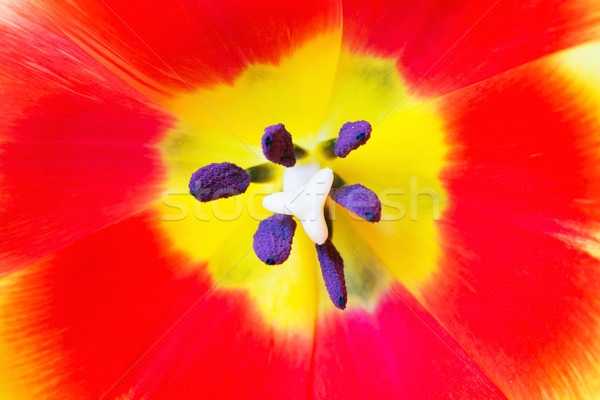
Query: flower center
{"type": "Point", "coordinates": [314, 91]}
{"type": "Point", "coordinates": [305, 190]}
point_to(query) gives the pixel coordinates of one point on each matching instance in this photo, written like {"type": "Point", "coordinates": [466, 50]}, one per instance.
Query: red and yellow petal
{"type": "Point", "coordinates": [444, 46]}
{"type": "Point", "coordinates": [405, 154]}
{"type": "Point", "coordinates": [120, 313]}
{"type": "Point", "coordinates": [163, 49]}
{"type": "Point", "coordinates": [70, 129]}
{"type": "Point", "coordinates": [519, 277]}
{"type": "Point", "coordinates": [296, 92]}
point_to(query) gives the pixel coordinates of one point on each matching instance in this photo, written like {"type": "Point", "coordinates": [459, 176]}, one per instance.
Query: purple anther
{"type": "Point", "coordinates": [218, 181]}
{"type": "Point", "coordinates": [273, 239]}
{"type": "Point", "coordinates": [358, 199]}
{"type": "Point", "coordinates": [332, 267]}
{"type": "Point", "coordinates": [277, 146]}
{"type": "Point", "coordinates": [351, 137]}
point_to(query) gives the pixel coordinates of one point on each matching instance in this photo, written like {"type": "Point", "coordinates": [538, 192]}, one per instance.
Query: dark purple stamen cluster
{"type": "Point", "coordinates": [332, 267]}
{"type": "Point", "coordinates": [273, 239]}
{"type": "Point", "coordinates": [358, 199]}
{"type": "Point", "coordinates": [218, 181]}
{"type": "Point", "coordinates": [351, 137]}
{"type": "Point", "coordinates": [277, 146]}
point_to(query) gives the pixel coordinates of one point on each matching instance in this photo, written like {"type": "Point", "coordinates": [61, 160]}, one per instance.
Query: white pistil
{"type": "Point", "coordinates": [305, 190]}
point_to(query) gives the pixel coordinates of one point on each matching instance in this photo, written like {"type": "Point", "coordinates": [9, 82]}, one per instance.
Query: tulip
{"type": "Point", "coordinates": [452, 253]}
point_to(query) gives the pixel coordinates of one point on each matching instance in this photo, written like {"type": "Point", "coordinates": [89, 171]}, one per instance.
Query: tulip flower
{"type": "Point", "coordinates": [151, 246]}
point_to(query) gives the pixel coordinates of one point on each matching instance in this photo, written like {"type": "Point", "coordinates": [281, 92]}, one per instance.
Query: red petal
{"type": "Point", "coordinates": [74, 141]}
{"type": "Point", "coordinates": [399, 352]}
{"type": "Point", "coordinates": [117, 313]}
{"type": "Point", "coordinates": [443, 46]}
{"type": "Point", "coordinates": [516, 287]}
{"type": "Point", "coordinates": [161, 48]}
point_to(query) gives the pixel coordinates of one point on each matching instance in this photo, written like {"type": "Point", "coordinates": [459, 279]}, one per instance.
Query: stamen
{"type": "Point", "coordinates": [338, 181]}
{"type": "Point", "coordinates": [299, 152]}
{"type": "Point", "coordinates": [332, 267]}
{"type": "Point", "coordinates": [218, 181]}
{"type": "Point", "coordinates": [327, 148]}
{"type": "Point", "coordinates": [277, 146]}
{"type": "Point", "coordinates": [358, 199]}
{"type": "Point", "coordinates": [261, 173]}
{"type": "Point", "coordinates": [273, 239]}
{"type": "Point", "coordinates": [327, 214]}
{"type": "Point", "coordinates": [351, 137]}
